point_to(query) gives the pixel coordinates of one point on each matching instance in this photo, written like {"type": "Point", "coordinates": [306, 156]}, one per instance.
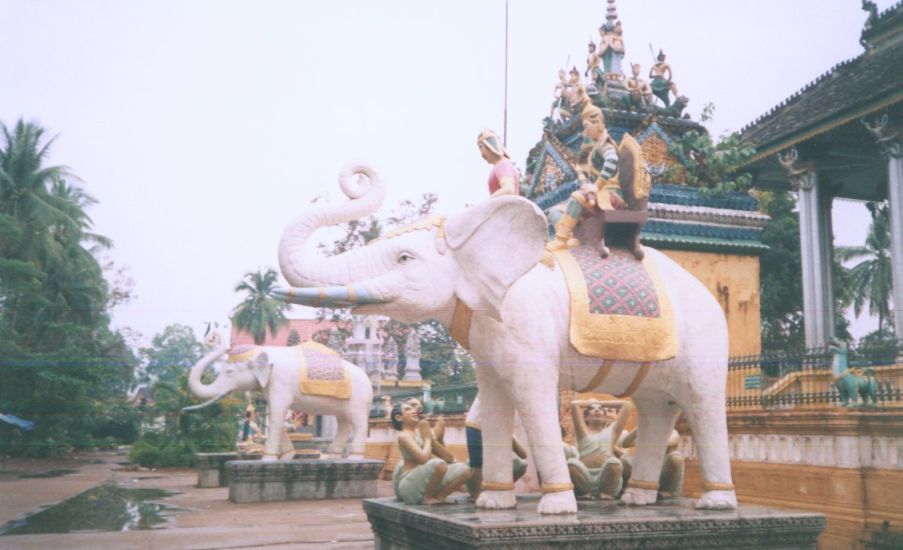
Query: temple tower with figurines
{"type": "Point", "coordinates": [364, 346]}
{"type": "Point", "coordinates": [715, 237]}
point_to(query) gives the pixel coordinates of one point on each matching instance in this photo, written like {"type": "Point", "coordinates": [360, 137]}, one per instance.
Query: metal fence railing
{"type": "Point", "coordinates": [452, 399]}
{"type": "Point", "coordinates": [756, 377]}
{"type": "Point", "coordinates": [767, 380]}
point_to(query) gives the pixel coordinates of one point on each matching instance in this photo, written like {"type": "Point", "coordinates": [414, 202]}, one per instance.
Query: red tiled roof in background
{"type": "Point", "coordinates": [306, 328]}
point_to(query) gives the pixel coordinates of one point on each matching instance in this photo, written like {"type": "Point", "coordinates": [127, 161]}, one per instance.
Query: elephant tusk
{"type": "Point", "coordinates": [204, 404]}
{"type": "Point", "coordinates": [329, 296]}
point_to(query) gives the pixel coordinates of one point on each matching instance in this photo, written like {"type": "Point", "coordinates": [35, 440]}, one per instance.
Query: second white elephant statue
{"type": "Point", "coordinates": [478, 272]}
{"type": "Point", "coordinates": [277, 371]}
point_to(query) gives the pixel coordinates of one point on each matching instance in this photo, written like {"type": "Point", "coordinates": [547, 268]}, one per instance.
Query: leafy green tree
{"type": "Point", "coordinates": [711, 164]}
{"type": "Point", "coordinates": [442, 360]}
{"type": "Point", "coordinates": [871, 279]}
{"type": "Point", "coordinates": [171, 353]}
{"type": "Point", "coordinates": [62, 365]}
{"type": "Point", "coordinates": [293, 338]}
{"type": "Point", "coordinates": [259, 311]}
{"type": "Point", "coordinates": [780, 278]}
{"type": "Point", "coordinates": [175, 440]}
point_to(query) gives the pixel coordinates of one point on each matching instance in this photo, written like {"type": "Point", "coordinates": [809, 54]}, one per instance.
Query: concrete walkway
{"type": "Point", "coordinates": [206, 520]}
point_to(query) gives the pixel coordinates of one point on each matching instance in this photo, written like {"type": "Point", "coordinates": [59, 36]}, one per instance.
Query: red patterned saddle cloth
{"type": "Point", "coordinates": [619, 307]}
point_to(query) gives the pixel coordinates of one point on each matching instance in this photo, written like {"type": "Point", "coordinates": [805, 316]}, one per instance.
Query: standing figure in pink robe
{"type": "Point", "coordinates": [504, 178]}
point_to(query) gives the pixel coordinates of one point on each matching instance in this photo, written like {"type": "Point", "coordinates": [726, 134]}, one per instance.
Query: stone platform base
{"type": "Point", "coordinates": [256, 481]}
{"type": "Point", "coordinates": [307, 446]}
{"type": "Point", "coordinates": [212, 467]}
{"type": "Point", "coordinates": [599, 524]}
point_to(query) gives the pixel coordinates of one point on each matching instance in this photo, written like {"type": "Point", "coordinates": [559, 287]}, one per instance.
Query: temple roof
{"type": "Point", "coordinates": [848, 91]}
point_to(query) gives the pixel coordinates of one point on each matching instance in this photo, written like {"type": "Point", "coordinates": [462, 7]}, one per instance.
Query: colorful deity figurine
{"type": "Point", "coordinates": [593, 70]}
{"type": "Point", "coordinates": [605, 186]}
{"type": "Point", "coordinates": [639, 93]}
{"type": "Point", "coordinates": [611, 50]}
{"type": "Point", "coordinates": [660, 73]}
{"type": "Point", "coordinates": [559, 93]}
{"type": "Point", "coordinates": [575, 95]}
{"type": "Point", "coordinates": [420, 478]}
{"type": "Point", "coordinates": [504, 179]}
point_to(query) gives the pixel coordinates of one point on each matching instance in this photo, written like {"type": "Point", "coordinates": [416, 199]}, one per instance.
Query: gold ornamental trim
{"type": "Point", "coordinates": [641, 484]}
{"type": "Point", "coordinates": [600, 377]}
{"type": "Point", "coordinates": [556, 487]}
{"type": "Point", "coordinates": [496, 486]}
{"type": "Point", "coordinates": [244, 356]}
{"type": "Point", "coordinates": [437, 220]}
{"type": "Point", "coordinates": [717, 486]}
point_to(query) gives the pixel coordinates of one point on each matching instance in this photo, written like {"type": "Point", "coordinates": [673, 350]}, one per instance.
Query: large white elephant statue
{"type": "Point", "coordinates": [516, 325]}
{"type": "Point", "coordinates": [277, 371]}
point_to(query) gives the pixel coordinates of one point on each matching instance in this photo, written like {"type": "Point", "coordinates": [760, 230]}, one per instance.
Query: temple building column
{"type": "Point", "coordinates": [826, 223]}
{"type": "Point", "coordinates": [889, 144]}
{"type": "Point", "coordinates": [815, 250]}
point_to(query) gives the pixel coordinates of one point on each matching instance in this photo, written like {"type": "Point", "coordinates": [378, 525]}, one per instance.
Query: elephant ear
{"type": "Point", "coordinates": [261, 367]}
{"type": "Point", "coordinates": [495, 242]}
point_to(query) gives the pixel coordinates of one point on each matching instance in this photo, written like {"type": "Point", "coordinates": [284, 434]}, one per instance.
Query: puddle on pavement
{"type": "Point", "coordinates": [107, 507]}
{"type": "Point", "coordinates": [56, 472]}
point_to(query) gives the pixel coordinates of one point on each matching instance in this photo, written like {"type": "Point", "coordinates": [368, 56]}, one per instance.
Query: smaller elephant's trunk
{"type": "Point", "coordinates": [198, 388]}
{"type": "Point", "coordinates": [207, 403]}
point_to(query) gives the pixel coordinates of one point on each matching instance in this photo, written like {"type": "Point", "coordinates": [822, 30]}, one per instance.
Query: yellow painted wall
{"type": "Point", "coordinates": [734, 281]}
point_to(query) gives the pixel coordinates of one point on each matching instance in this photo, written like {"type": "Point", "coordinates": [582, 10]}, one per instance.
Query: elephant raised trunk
{"type": "Point", "coordinates": [198, 388]}
{"type": "Point", "coordinates": [303, 267]}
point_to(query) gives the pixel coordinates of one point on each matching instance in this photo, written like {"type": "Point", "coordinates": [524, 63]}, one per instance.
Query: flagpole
{"type": "Point", "coordinates": [505, 129]}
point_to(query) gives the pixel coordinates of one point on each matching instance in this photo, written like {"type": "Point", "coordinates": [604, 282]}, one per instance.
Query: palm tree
{"type": "Point", "coordinates": [871, 279]}
{"type": "Point", "coordinates": [26, 187]}
{"type": "Point", "coordinates": [47, 228]}
{"type": "Point", "coordinates": [258, 311]}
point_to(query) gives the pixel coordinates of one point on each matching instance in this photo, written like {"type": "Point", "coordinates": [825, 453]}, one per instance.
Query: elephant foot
{"type": "Point", "coordinates": [639, 497]}
{"type": "Point", "coordinates": [288, 455]}
{"type": "Point", "coordinates": [497, 500]}
{"type": "Point", "coordinates": [356, 456]}
{"type": "Point", "coordinates": [717, 500]}
{"type": "Point", "coordinates": [269, 458]}
{"type": "Point", "coordinates": [562, 502]}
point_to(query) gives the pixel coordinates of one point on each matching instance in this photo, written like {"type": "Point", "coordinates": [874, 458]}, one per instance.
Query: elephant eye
{"type": "Point", "coordinates": [405, 257]}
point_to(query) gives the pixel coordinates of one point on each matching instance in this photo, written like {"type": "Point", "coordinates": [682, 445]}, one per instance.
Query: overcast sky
{"type": "Point", "coordinates": [204, 127]}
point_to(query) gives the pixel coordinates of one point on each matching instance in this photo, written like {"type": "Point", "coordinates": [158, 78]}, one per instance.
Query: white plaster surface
{"type": "Point", "coordinates": [840, 451]}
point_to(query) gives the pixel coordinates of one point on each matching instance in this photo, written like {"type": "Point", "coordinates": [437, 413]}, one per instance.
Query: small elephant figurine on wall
{"type": "Point", "coordinates": [855, 384]}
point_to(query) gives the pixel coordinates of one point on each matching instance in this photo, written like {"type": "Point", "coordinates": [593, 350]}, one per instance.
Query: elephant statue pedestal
{"type": "Point", "coordinates": [260, 481]}
{"type": "Point", "coordinates": [212, 468]}
{"type": "Point", "coordinates": [309, 447]}
{"type": "Point", "coordinates": [673, 523]}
